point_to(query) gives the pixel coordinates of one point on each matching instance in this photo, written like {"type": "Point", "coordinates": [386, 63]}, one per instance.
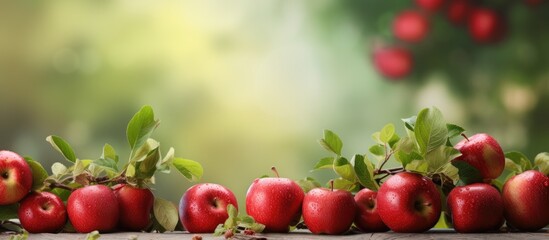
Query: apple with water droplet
{"type": "Point", "coordinates": [367, 218]}
{"type": "Point", "coordinates": [42, 212]}
{"type": "Point", "coordinates": [484, 153]}
{"type": "Point", "coordinates": [15, 177]}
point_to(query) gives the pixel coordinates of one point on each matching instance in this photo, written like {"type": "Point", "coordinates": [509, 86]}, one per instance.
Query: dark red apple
{"type": "Point", "coordinates": [526, 201]}
{"type": "Point", "coordinates": [15, 177]}
{"type": "Point", "coordinates": [42, 212]}
{"type": "Point", "coordinates": [411, 26]}
{"type": "Point", "coordinates": [393, 62]}
{"type": "Point", "coordinates": [204, 206]}
{"type": "Point", "coordinates": [328, 211]}
{"type": "Point", "coordinates": [458, 11]}
{"type": "Point", "coordinates": [367, 218]}
{"type": "Point", "coordinates": [135, 205]}
{"type": "Point", "coordinates": [408, 202]}
{"type": "Point", "coordinates": [275, 203]}
{"type": "Point", "coordinates": [483, 152]}
{"type": "Point", "coordinates": [430, 5]}
{"type": "Point", "coordinates": [93, 208]}
{"type": "Point", "coordinates": [476, 207]}
{"type": "Point", "coordinates": [486, 25]}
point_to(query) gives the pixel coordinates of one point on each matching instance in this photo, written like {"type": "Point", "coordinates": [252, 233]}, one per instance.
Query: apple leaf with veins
{"type": "Point", "coordinates": [542, 162]}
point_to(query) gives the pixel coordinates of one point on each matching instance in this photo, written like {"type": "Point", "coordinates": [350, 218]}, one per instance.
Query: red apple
{"type": "Point", "coordinates": [409, 202]}
{"type": "Point", "coordinates": [430, 5]}
{"type": "Point", "coordinates": [411, 26]}
{"type": "Point", "coordinates": [484, 153]}
{"type": "Point", "coordinates": [275, 203]}
{"type": "Point", "coordinates": [526, 201]}
{"type": "Point", "coordinates": [42, 212]}
{"type": "Point", "coordinates": [15, 177]}
{"type": "Point", "coordinates": [486, 25]}
{"type": "Point", "coordinates": [458, 11]}
{"type": "Point", "coordinates": [135, 205]}
{"type": "Point", "coordinates": [476, 207]}
{"type": "Point", "coordinates": [204, 206]}
{"type": "Point", "coordinates": [93, 208]}
{"type": "Point", "coordinates": [367, 218]}
{"type": "Point", "coordinates": [393, 62]}
{"type": "Point", "coordinates": [328, 211]}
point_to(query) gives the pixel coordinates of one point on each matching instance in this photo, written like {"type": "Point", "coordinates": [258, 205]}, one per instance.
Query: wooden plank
{"type": "Point", "coordinates": [302, 235]}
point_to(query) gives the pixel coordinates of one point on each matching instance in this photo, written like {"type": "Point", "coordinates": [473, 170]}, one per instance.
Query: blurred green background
{"type": "Point", "coordinates": [243, 85]}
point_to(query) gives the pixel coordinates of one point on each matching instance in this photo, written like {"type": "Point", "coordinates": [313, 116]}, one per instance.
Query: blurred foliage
{"type": "Point", "coordinates": [243, 85]}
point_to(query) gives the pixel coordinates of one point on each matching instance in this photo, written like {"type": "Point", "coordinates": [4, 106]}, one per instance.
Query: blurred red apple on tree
{"type": "Point", "coordinates": [411, 26]}
{"type": "Point", "coordinates": [486, 25]}
{"type": "Point", "coordinates": [393, 62]}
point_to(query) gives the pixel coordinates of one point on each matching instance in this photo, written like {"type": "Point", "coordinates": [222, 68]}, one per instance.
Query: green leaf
{"type": "Point", "coordinates": [39, 174]}
{"type": "Point", "coordinates": [387, 133]}
{"type": "Point", "coordinates": [58, 169]}
{"type": "Point", "coordinates": [107, 163]}
{"type": "Point", "coordinates": [141, 153]}
{"type": "Point", "coordinates": [331, 142]}
{"type": "Point", "coordinates": [141, 127]}
{"type": "Point", "coordinates": [62, 146]}
{"type": "Point", "coordinates": [146, 168]}
{"type": "Point", "coordinates": [406, 158]}
{"type": "Point", "coordinates": [219, 230]}
{"type": "Point", "coordinates": [364, 170]}
{"type": "Point", "coordinates": [341, 183]}
{"type": "Point", "coordinates": [232, 211]}
{"type": "Point", "coordinates": [440, 156]}
{"type": "Point", "coordinates": [512, 166]}
{"type": "Point", "coordinates": [308, 184]}
{"type": "Point", "coordinates": [93, 235]}
{"type": "Point", "coordinates": [430, 130]}
{"type": "Point", "coordinates": [542, 162]}
{"type": "Point", "coordinates": [451, 171]}
{"type": "Point", "coordinates": [8, 211]}
{"type": "Point", "coordinates": [62, 193]}
{"type": "Point", "coordinates": [410, 122]}
{"type": "Point", "coordinates": [377, 150]}
{"type": "Point", "coordinates": [165, 213]}
{"type": "Point", "coordinates": [164, 165]}
{"type": "Point", "coordinates": [520, 159]}
{"type": "Point", "coordinates": [190, 169]}
{"type": "Point", "coordinates": [467, 173]}
{"type": "Point", "coordinates": [420, 166]}
{"type": "Point", "coordinates": [454, 130]}
{"type": "Point", "coordinates": [324, 163]}
{"type": "Point", "coordinates": [394, 141]}
{"type": "Point", "coordinates": [343, 168]}
{"type": "Point", "coordinates": [109, 153]}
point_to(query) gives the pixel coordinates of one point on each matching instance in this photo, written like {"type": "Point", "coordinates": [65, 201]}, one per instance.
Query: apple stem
{"type": "Point", "coordinates": [273, 168]}
{"type": "Point", "coordinates": [465, 136]}
{"type": "Point", "coordinates": [332, 185]}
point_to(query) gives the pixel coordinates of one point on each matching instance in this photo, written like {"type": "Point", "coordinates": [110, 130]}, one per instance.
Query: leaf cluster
{"type": "Point", "coordinates": [236, 223]}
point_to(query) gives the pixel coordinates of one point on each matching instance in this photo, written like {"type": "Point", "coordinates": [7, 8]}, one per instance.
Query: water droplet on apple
{"type": "Point", "coordinates": [546, 183]}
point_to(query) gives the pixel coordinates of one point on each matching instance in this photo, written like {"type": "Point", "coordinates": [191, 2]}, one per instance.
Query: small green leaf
{"type": "Point", "coordinates": [8, 211]}
{"type": "Point", "coordinates": [219, 230]}
{"type": "Point", "coordinates": [58, 169]}
{"type": "Point", "coordinates": [331, 142]}
{"type": "Point", "coordinates": [145, 169]}
{"type": "Point", "coordinates": [232, 211]}
{"type": "Point", "coordinates": [430, 130]}
{"type": "Point", "coordinates": [512, 166]}
{"type": "Point", "coordinates": [406, 158]}
{"type": "Point", "coordinates": [454, 130]}
{"type": "Point", "coordinates": [107, 163]}
{"type": "Point", "coordinates": [344, 169]}
{"type": "Point", "coordinates": [542, 162]}
{"type": "Point", "coordinates": [308, 184]}
{"type": "Point", "coordinates": [387, 133]}
{"type": "Point", "coordinates": [39, 174]}
{"type": "Point", "coordinates": [190, 169]}
{"type": "Point", "coordinates": [141, 153]}
{"type": "Point", "coordinates": [394, 141]}
{"type": "Point", "coordinates": [141, 127]}
{"type": "Point", "coordinates": [520, 159]}
{"type": "Point", "coordinates": [440, 156]}
{"type": "Point", "coordinates": [93, 235]}
{"type": "Point", "coordinates": [79, 167]}
{"type": "Point", "coordinates": [109, 153]}
{"type": "Point", "coordinates": [451, 171]}
{"type": "Point", "coordinates": [364, 170]}
{"type": "Point", "coordinates": [341, 183]}
{"type": "Point", "coordinates": [130, 171]}
{"type": "Point", "coordinates": [377, 150]}
{"type": "Point", "coordinates": [24, 235]}
{"type": "Point", "coordinates": [62, 146]}
{"type": "Point", "coordinates": [165, 213]}
{"type": "Point", "coordinates": [467, 173]}
{"type": "Point", "coordinates": [410, 122]}
{"type": "Point", "coordinates": [164, 165]}
{"type": "Point", "coordinates": [420, 166]}
{"type": "Point", "coordinates": [324, 163]}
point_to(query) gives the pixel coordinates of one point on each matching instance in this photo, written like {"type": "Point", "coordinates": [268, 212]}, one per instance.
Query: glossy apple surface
{"type": "Point", "coordinates": [328, 211]}
{"type": "Point", "coordinates": [526, 201]}
{"type": "Point", "coordinates": [135, 205]}
{"type": "Point", "coordinates": [93, 208]}
{"type": "Point", "coordinates": [476, 207]}
{"type": "Point", "coordinates": [275, 202]}
{"type": "Point", "coordinates": [42, 212]}
{"type": "Point", "coordinates": [204, 206]}
{"type": "Point", "coordinates": [484, 153]}
{"type": "Point", "coordinates": [15, 177]}
{"type": "Point", "coordinates": [408, 202]}
{"type": "Point", "coordinates": [367, 218]}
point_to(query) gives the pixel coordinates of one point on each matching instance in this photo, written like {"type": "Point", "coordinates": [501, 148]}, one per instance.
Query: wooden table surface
{"type": "Point", "coordinates": [432, 234]}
